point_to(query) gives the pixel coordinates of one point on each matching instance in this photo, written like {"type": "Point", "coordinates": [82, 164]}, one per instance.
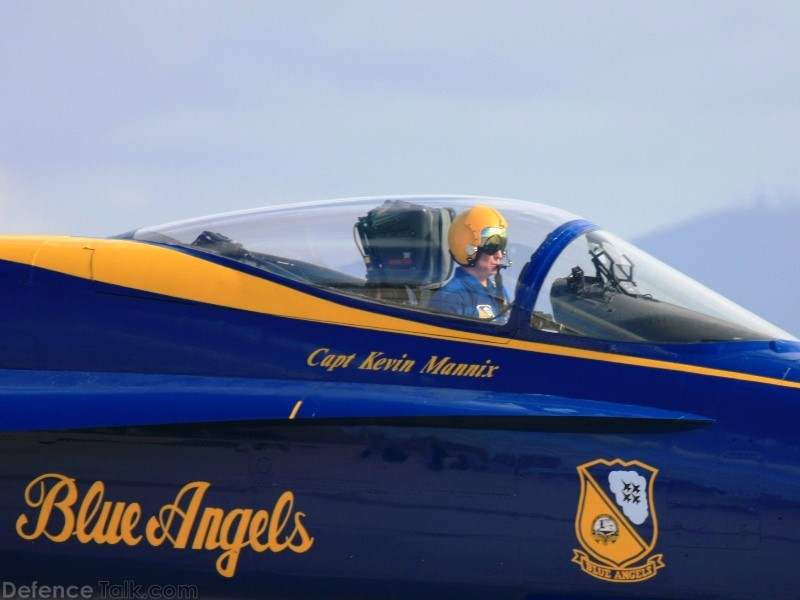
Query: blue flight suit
{"type": "Point", "coordinates": [465, 295]}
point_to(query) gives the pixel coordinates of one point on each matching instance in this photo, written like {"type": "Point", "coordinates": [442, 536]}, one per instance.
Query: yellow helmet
{"type": "Point", "coordinates": [479, 228]}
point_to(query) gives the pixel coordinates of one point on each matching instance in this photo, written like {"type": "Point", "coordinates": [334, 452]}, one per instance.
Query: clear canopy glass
{"type": "Point", "coordinates": [395, 250]}
{"type": "Point", "coordinates": [601, 286]}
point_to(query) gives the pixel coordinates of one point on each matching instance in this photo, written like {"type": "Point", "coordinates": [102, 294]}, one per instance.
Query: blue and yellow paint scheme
{"type": "Point", "coordinates": [261, 404]}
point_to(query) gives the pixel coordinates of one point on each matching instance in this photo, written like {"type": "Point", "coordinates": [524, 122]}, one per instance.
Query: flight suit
{"type": "Point", "coordinates": [465, 295]}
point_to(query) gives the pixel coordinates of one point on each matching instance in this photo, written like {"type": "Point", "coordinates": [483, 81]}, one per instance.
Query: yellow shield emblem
{"type": "Point", "coordinates": [616, 521]}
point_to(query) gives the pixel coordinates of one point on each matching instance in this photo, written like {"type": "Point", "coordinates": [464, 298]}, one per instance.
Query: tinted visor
{"type": "Point", "coordinates": [493, 239]}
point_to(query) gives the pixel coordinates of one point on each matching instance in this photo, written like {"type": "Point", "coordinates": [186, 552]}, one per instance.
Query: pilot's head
{"type": "Point", "coordinates": [481, 230]}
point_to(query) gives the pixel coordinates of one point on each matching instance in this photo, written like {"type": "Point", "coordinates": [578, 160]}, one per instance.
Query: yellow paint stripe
{"type": "Point", "coordinates": [296, 409]}
{"type": "Point", "coordinates": [164, 271]}
{"type": "Point", "coordinates": [647, 362]}
{"type": "Point", "coordinates": [72, 256]}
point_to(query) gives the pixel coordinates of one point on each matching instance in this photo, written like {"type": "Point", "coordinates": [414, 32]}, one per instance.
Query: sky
{"type": "Point", "coordinates": [634, 114]}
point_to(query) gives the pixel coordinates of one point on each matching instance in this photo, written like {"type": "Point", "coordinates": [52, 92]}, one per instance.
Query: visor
{"type": "Point", "coordinates": [493, 239]}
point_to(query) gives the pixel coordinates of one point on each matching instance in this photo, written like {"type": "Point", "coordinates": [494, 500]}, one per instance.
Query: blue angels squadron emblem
{"type": "Point", "coordinates": [616, 521]}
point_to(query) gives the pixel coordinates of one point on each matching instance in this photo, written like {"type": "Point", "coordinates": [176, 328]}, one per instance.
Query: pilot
{"type": "Point", "coordinates": [478, 239]}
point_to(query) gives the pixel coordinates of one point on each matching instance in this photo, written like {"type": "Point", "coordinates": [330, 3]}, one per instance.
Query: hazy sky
{"type": "Point", "coordinates": [634, 114]}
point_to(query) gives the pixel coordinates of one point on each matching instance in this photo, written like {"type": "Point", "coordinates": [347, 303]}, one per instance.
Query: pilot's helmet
{"type": "Point", "coordinates": [479, 229]}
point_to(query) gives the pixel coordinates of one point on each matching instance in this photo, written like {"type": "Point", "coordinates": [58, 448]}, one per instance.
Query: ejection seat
{"type": "Point", "coordinates": [405, 250]}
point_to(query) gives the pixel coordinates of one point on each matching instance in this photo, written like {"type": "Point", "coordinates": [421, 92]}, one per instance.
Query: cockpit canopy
{"type": "Point", "coordinates": [566, 276]}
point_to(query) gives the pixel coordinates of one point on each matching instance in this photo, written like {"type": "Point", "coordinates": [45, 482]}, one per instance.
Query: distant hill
{"type": "Point", "coordinates": [748, 254]}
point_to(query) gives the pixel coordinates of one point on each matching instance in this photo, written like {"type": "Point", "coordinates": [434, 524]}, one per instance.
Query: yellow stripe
{"type": "Point", "coordinates": [164, 271]}
{"type": "Point", "coordinates": [296, 409]}
{"type": "Point", "coordinates": [72, 256]}
{"type": "Point", "coordinates": [647, 362]}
